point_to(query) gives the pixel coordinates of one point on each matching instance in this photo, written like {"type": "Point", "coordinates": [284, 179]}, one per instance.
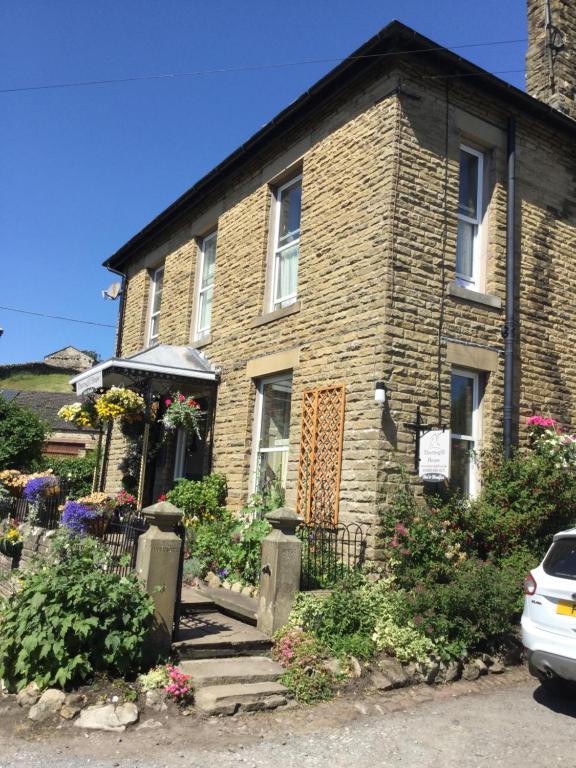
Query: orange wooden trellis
{"type": "Point", "coordinates": [321, 439]}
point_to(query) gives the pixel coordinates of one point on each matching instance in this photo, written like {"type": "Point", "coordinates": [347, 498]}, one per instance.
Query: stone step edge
{"type": "Point", "coordinates": [231, 603]}
{"type": "Point", "coordinates": [228, 670]}
{"type": "Point", "coordinates": [243, 697]}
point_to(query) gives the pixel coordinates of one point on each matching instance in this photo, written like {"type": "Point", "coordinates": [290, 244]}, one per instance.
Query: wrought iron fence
{"type": "Point", "coordinates": [121, 538]}
{"type": "Point", "coordinates": [48, 512]}
{"type": "Point", "coordinates": [330, 552]}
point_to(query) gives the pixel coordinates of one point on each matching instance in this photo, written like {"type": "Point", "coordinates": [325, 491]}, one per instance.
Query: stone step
{"type": "Point", "coordinates": [243, 697]}
{"type": "Point", "coordinates": [214, 635]}
{"type": "Point", "coordinates": [228, 671]}
{"type": "Point", "coordinates": [233, 604]}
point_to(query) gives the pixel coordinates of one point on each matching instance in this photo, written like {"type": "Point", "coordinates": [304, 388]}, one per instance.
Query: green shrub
{"type": "Point", "coordinates": [77, 471]}
{"type": "Point", "coordinates": [22, 436]}
{"type": "Point", "coordinates": [72, 618]}
{"type": "Point", "coordinates": [305, 662]}
{"type": "Point", "coordinates": [200, 500]}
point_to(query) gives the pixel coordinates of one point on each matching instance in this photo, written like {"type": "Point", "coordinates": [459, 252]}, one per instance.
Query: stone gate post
{"type": "Point", "coordinates": [157, 564]}
{"type": "Point", "coordinates": [280, 574]}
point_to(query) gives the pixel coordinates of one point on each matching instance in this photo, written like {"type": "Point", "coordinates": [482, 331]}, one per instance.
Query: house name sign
{"type": "Point", "coordinates": [94, 381]}
{"type": "Point", "coordinates": [434, 466]}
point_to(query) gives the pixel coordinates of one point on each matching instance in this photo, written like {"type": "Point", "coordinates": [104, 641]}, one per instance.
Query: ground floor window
{"type": "Point", "coordinates": [271, 432]}
{"type": "Point", "coordinates": [465, 425]}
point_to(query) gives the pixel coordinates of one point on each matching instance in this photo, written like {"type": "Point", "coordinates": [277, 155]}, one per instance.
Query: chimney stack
{"type": "Point", "coordinates": [551, 56]}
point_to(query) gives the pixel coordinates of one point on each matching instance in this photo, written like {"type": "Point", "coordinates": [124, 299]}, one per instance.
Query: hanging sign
{"type": "Point", "coordinates": [93, 381]}
{"type": "Point", "coordinates": [435, 455]}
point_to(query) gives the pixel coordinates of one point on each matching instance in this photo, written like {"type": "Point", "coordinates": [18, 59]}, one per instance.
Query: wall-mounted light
{"type": "Point", "coordinates": [380, 393]}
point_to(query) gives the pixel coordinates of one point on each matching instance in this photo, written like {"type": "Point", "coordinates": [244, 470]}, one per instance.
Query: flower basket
{"type": "Point", "coordinates": [182, 413]}
{"type": "Point", "coordinates": [120, 403]}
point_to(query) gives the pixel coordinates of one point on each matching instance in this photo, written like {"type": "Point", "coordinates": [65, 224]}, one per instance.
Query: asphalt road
{"type": "Point", "coordinates": [513, 724]}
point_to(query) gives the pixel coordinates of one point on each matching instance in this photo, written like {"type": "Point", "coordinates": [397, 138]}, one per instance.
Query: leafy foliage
{"type": "Point", "coordinates": [200, 500]}
{"type": "Point", "coordinates": [22, 435]}
{"type": "Point", "coordinates": [73, 618]}
{"type": "Point", "coordinates": [78, 472]}
{"type": "Point", "coordinates": [304, 659]}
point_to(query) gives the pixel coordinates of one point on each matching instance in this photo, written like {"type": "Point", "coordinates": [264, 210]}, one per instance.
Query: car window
{"type": "Point", "coordinates": [561, 560]}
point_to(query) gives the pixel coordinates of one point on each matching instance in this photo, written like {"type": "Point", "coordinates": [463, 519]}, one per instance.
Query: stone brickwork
{"type": "Point", "coordinates": [377, 297]}
{"type": "Point", "coordinates": [551, 58]}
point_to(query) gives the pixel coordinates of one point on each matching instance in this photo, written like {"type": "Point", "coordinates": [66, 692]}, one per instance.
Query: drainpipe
{"type": "Point", "coordinates": [510, 324]}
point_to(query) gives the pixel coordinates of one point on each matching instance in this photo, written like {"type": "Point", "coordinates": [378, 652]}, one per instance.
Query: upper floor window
{"type": "Point", "coordinates": [205, 292]}
{"type": "Point", "coordinates": [470, 215]}
{"type": "Point", "coordinates": [286, 243]}
{"type": "Point", "coordinates": [157, 281]}
{"type": "Point", "coordinates": [465, 426]}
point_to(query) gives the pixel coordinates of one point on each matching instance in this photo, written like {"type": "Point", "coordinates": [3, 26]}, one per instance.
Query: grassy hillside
{"type": "Point", "coordinates": [34, 382]}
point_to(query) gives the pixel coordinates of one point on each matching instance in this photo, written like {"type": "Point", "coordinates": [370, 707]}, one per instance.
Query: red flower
{"type": "Point", "coordinates": [167, 402]}
{"type": "Point", "coordinates": [181, 398]}
{"type": "Point", "coordinates": [162, 497]}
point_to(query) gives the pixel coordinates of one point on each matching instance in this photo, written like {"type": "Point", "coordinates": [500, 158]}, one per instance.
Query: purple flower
{"type": "Point", "coordinates": [77, 516]}
{"type": "Point", "coordinates": [222, 572]}
{"type": "Point", "coordinates": [36, 487]}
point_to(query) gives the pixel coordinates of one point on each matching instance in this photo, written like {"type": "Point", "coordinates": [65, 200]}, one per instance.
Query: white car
{"type": "Point", "coordinates": [549, 617]}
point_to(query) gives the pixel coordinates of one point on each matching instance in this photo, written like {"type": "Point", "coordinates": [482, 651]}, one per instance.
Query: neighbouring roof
{"type": "Point", "coordinates": [45, 405]}
{"type": "Point", "coordinates": [160, 362]}
{"type": "Point", "coordinates": [394, 40]}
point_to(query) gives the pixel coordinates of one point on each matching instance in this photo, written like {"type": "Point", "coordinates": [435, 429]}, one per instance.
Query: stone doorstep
{"type": "Point", "coordinates": [228, 671]}
{"type": "Point", "coordinates": [213, 635]}
{"type": "Point", "coordinates": [244, 697]}
{"type": "Point", "coordinates": [233, 604]}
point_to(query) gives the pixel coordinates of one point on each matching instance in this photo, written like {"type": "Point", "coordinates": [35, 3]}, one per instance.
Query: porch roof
{"type": "Point", "coordinates": [163, 361]}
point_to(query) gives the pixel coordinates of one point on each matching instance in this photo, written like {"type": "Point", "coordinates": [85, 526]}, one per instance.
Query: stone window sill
{"type": "Point", "coordinates": [486, 299]}
{"type": "Point", "coordinates": [203, 341]}
{"type": "Point", "coordinates": [270, 317]}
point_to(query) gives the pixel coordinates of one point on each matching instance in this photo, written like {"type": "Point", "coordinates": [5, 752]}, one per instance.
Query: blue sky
{"type": "Point", "coordinates": [83, 169]}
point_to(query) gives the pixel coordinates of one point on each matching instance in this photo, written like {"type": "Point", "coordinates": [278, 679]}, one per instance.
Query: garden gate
{"type": "Point", "coordinates": [322, 434]}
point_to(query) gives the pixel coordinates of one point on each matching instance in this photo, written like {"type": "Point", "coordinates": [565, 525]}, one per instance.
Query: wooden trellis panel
{"type": "Point", "coordinates": [321, 441]}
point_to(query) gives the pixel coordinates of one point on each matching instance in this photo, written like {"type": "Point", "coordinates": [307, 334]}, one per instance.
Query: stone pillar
{"type": "Point", "coordinates": [280, 575]}
{"type": "Point", "coordinates": [157, 564]}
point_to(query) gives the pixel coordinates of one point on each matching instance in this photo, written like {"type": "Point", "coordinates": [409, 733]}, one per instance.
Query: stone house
{"type": "Point", "coordinates": [403, 231]}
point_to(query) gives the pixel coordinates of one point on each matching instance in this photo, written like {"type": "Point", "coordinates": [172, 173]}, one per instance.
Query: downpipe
{"type": "Point", "coordinates": [508, 331]}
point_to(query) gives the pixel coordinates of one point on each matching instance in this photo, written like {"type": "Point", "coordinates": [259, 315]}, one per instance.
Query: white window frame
{"type": "Point", "coordinates": [152, 315]}
{"type": "Point", "coordinates": [257, 428]}
{"type": "Point", "coordinates": [476, 436]}
{"type": "Point", "coordinates": [202, 332]}
{"type": "Point", "coordinates": [277, 303]}
{"type": "Point", "coordinates": [473, 282]}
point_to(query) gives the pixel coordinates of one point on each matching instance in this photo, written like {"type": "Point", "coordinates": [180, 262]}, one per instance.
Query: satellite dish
{"type": "Point", "coordinates": [112, 292]}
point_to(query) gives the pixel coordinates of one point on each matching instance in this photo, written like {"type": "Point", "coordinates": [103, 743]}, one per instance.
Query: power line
{"type": "Point", "coordinates": [57, 317]}
{"type": "Point", "coordinates": [253, 68]}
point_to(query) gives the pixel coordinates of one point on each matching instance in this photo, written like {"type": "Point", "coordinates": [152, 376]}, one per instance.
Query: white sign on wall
{"type": "Point", "coordinates": [93, 381]}
{"type": "Point", "coordinates": [435, 455]}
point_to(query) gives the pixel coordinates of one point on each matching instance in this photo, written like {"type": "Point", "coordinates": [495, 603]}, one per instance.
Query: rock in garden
{"type": "Point", "coordinates": [391, 670]}
{"type": "Point", "coordinates": [73, 703]}
{"type": "Point", "coordinates": [452, 672]}
{"type": "Point", "coordinates": [431, 672]}
{"type": "Point", "coordinates": [156, 700]}
{"type": "Point", "coordinates": [28, 696]}
{"type": "Point", "coordinates": [213, 580]}
{"type": "Point", "coordinates": [355, 668]}
{"type": "Point", "coordinates": [247, 591]}
{"type": "Point", "coordinates": [127, 713]}
{"type": "Point", "coordinates": [108, 717]}
{"type": "Point", "coordinates": [470, 672]}
{"type": "Point", "coordinates": [413, 673]}
{"type": "Point", "coordinates": [482, 667]}
{"type": "Point", "coordinates": [226, 585]}
{"type": "Point", "coordinates": [49, 704]}
{"type": "Point", "coordinates": [497, 667]}
{"type": "Point", "coordinates": [149, 725]}
{"type": "Point", "coordinates": [236, 587]}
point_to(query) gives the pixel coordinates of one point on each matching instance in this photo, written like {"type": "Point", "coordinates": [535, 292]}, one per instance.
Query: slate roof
{"type": "Point", "coordinates": [45, 405]}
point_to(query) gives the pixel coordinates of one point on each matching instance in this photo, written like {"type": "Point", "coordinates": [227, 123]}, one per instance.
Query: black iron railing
{"type": "Point", "coordinates": [45, 513]}
{"type": "Point", "coordinates": [121, 538]}
{"type": "Point", "coordinates": [329, 553]}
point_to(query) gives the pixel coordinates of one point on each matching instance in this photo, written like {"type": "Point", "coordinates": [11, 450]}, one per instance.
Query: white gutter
{"type": "Point", "coordinates": [146, 367]}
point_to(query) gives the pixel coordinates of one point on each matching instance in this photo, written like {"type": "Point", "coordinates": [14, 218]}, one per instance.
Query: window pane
{"type": "Point", "coordinates": [468, 204]}
{"type": "Point", "coordinates": [290, 204]}
{"type": "Point", "coordinates": [561, 560]}
{"type": "Point", "coordinates": [462, 405]}
{"type": "Point", "coordinates": [208, 261]}
{"type": "Point", "coordinates": [272, 469]}
{"type": "Point", "coordinates": [461, 465]}
{"type": "Point", "coordinates": [154, 322]}
{"type": "Point", "coordinates": [286, 273]}
{"type": "Point", "coordinates": [465, 249]}
{"type": "Point", "coordinates": [275, 424]}
{"type": "Point", "coordinates": [205, 310]}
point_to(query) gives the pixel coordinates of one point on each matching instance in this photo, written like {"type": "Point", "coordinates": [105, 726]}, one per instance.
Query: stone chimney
{"type": "Point", "coordinates": [551, 56]}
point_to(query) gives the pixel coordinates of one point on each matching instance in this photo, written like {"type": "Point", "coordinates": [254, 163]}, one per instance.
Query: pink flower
{"type": "Point", "coordinates": [401, 529]}
{"type": "Point", "coordinates": [167, 402]}
{"type": "Point", "coordinates": [181, 398]}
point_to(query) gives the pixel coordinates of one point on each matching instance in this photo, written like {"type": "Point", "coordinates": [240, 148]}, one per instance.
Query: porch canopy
{"type": "Point", "coordinates": [154, 366]}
